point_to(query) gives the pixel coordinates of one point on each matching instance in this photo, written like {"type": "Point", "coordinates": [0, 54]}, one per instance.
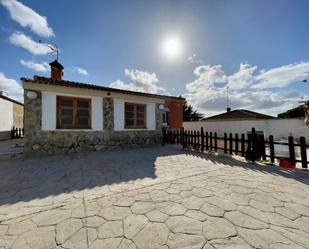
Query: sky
{"type": "Point", "coordinates": [257, 49]}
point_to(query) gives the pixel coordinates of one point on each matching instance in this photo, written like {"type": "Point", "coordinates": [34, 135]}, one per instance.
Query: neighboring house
{"type": "Point", "coordinates": [240, 114]}
{"type": "Point", "coordinates": [11, 115]}
{"type": "Point", "coordinates": [64, 116]}
{"type": "Point", "coordinates": [242, 121]}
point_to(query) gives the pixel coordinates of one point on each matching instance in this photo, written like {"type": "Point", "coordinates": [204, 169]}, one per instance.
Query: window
{"type": "Point", "coordinates": [135, 115]}
{"type": "Point", "coordinates": [165, 118]}
{"type": "Point", "coordinates": [73, 113]}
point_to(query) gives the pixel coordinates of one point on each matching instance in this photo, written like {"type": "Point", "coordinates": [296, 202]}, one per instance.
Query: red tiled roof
{"type": "Point", "coordinates": [66, 83]}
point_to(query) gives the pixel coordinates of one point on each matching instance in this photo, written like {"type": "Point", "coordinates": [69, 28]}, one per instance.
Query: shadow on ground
{"type": "Point", "coordinates": [23, 180]}
{"type": "Point", "coordinates": [296, 174]}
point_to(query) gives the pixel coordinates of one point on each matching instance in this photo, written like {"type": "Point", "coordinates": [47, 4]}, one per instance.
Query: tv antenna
{"type": "Point", "coordinates": [228, 109]}
{"type": "Point", "coordinates": [54, 48]}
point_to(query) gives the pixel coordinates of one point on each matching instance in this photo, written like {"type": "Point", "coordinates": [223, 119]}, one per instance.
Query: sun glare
{"type": "Point", "coordinates": [172, 47]}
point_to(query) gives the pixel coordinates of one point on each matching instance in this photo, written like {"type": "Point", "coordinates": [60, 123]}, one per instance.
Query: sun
{"type": "Point", "coordinates": [172, 47]}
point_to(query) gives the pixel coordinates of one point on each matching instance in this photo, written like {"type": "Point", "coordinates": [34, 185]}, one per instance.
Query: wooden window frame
{"type": "Point", "coordinates": [135, 126]}
{"type": "Point", "coordinates": [74, 109]}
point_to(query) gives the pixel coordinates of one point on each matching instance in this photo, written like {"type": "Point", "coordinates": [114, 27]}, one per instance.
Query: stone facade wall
{"type": "Point", "coordinates": [18, 115]}
{"type": "Point", "coordinates": [54, 142]}
{"type": "Point", "coordinates": [108, 114]}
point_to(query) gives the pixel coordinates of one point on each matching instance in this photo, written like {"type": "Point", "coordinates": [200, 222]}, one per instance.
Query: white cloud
{"type": "Point", "coordinates": [81, 71]}
{"type": "Point", "coordinates": [141, 77]}
{"type": "Point", "coordinates": [210, 98]}
{"type": "Point", "coordinates": [141, 81]}
{"type": "Point", "coordinates": [282, 76]}
{"type": "Point", "coordinates": [243, 78]}
{"type": "Point", "coordinates": [27, 17]}
{"type": "Point", "coordinates": [193, 59]}
{"type": "Point", "coordinates": [21, 40]}
{"type": "Point", "coordinates": [39, 67]}
{"type": "Point", "coordinates": [14, 90]}
{"type": "Point", "coordinates": [208, 76]}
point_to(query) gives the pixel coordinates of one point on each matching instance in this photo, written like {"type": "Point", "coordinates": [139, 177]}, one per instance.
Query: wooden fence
{"type": "Point", "coordinates": [17, 132]}
{"type": "Point", "coordinates": [242, 145]}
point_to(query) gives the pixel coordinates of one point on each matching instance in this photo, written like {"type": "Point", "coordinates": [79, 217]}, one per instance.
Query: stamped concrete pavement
{"type": "Point", "coordinates": [151, 198]}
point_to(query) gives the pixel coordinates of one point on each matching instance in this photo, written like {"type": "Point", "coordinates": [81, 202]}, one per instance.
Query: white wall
{"type": "Point", "coordinates": [6, 118]}
{"type": "Point", "coordinates": [49, 112]}
{"type": "Point", "coordinates": [279, 128]}
{"type": "Point", "coordinates": [6, 115]}
{"type": "Point", "coordinates": [119, 113]}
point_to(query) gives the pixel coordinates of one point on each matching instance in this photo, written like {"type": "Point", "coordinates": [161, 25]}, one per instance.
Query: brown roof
{"type": "Point", "coordinates": [66, 83]}
{"type": "Point", "coordinates": [239, 114]}
{"type": "Point", "coordinates": [12, 100]}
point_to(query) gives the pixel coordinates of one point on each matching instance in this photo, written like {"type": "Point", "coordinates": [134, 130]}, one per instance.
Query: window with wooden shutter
{"type": "Point", "coordinates": [73, 113]}
{"type": "Point", "coordinates": [135, 116]}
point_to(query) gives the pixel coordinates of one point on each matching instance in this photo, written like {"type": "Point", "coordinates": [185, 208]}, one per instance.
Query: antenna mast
{"type": "Point", "coordinates": [227, 97]}
{"type": "Point", "coordinates": [53, 48]}
{"type": "Point", "coordinates": [228, 109]}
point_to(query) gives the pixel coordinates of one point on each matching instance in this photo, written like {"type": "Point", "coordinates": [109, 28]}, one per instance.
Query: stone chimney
{"type": "Point", "coordinates": [56, 70]}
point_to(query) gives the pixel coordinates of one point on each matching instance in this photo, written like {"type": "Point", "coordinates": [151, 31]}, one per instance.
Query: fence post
{"type": "Point", "coordinates": [206, 140]}
{"type": "Point", "coordinates": [194, 137]}
{"type": "Point", "coordinates": [183, 137]}
{"type": "Point", "coordinates": [253, 139]}
{"type": "Point", "coordinates": [198, 139]}
{"type": "Point", "coordinates": [242, 145]}
{"type": "Point", "coordinates": [187, 141]}
{"type": "Point", "coordinates": [271, 149]}
{"type": "Point", "coordinates": [216, 142]}
{"type": "Point", "coordinates": [225, 142]}
{"type": "Point", "coordinates": [264, 149]}
{"type": "Point", "coordinates": [303, 152]}
{"type": "Point", "coordinates": [12, 132]}
{"type": "Point", "coordinates": [164, 136]}
{"type": "Point", "coordinates": [231, 143]}
{"type": "Point", "coordinates": [210, 140]}
{"type": "Point", "coordinates": [174, 136]}
{"type": "Point", "coordinates": [292, 149]}
{"type": "Point", "coordinates": [236, 143]}
{"type": "Point", "coordinates": [191, 139]}
{"type": "Point", "coordinates": [202, 139]}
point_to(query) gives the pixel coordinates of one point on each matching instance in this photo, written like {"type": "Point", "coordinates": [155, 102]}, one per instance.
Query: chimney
{"type": "Point", "coordinates": [56, 70]}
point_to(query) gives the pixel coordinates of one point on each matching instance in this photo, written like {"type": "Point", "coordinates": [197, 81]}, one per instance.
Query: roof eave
{"type": "Point", "coordinates": [95, 87]}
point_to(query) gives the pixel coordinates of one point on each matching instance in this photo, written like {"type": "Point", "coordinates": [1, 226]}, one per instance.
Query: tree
{"type": "Point", "coordinates": [297, 112]}
{"type": "Point", "coordinates": [189, 114]}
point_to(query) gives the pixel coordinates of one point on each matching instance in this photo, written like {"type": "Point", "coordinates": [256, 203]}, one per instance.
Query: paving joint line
{"type": "Point", "coordinates": [84, 204]}
{"type": "Point", "coordinates": [117, 193]}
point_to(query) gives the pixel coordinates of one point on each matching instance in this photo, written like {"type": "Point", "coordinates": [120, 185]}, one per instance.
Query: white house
{"type": "Point", "coordinates": [11, 115]}
{"type": "Point", "coordinates": [64, 116]}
